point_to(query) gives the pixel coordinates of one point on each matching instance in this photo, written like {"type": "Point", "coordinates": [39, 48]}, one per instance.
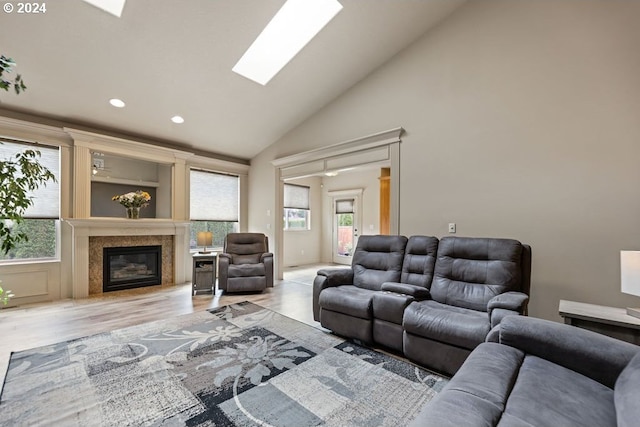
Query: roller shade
{"type": "Point", "coordinates": [296, 196]}
{"type": "Point", "coordinates": [46, 199]}
{"type": "Point", "coordinates": [344, 206]}
{"type": "Point", "coordinates": [214, 196]}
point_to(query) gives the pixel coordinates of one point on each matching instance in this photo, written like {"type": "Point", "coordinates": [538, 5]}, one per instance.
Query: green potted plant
{"type": "Point", "coordinates": [5, 296]}
{"type": "Point", "coordinates": [17, 83]}
{"type": "Point", "coordinates": [19, 176]}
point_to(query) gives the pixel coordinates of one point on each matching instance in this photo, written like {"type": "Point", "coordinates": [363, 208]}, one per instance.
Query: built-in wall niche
{"type": "Point", "coordinates": [114, 175]}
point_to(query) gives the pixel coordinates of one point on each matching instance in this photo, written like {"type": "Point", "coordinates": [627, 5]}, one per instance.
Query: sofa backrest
{"type": "Point", "coordinates": [246, 248]}
{"type": "Point", "coordinates": [470, 271]}
{"type": "Point", "coordinates": [419, 261]}
{"type": "Point", "coordinates": [378, 259]}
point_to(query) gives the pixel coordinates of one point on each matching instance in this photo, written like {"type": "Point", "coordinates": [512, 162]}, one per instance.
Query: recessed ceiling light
{"type": "Point", "coordinates": [295, 24]}
{"type": "Point", "coordinates": [177, 119]}
{"type": "Point", "coordinates": [117, 102]}
{"type": "Point", "coordinates": [113, 7]}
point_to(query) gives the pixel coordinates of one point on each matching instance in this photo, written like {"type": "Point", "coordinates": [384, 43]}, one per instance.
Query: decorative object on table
{"type": "Point", "coordinates": [5, 296]}
{"type": "Point", "coordinates": [204, 238]}
{"type": "Point", "coordinates": [630, 277]}
{"type": "Point", "coordinates": [240, 364]}
{"type": "Point", "coordinates": [133, 201]}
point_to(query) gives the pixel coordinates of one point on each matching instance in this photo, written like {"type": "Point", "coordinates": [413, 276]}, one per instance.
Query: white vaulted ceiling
{"type": "Point", "coordinates": [170, 57]}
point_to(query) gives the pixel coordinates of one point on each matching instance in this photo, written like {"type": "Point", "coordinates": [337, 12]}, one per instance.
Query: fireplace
{"type": "Point", "coordinates": [131, 267]}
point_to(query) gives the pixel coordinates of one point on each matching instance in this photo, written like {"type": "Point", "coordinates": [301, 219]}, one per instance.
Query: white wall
{"type": "Point", "coordinates": [522, 120]}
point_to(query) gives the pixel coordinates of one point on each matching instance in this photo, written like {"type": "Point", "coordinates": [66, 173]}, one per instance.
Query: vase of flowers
{"type": "Point", "coordinates": [133, 201]}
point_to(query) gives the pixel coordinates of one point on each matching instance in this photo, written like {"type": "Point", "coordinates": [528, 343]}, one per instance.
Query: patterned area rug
{"type": "Point", "coordinates": [234, 366]}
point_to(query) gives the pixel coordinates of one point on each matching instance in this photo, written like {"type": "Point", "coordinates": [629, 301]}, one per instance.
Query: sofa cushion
{"type": "Point", "coordinates": [471, 271]}
{"type": "Point", "coordinates": [378, 259]}
{"type": "Point", "coordinates": [246, 243]}
{"type": "Point", "coordinates": [477, 394]}
{"type": "Point", "coordinates": [245, 259]}
{"type": "Point", "coordinates": [348, 299]}
{"type": "Point", "coordinates": [546, 394]}
{"type": "Point", "coordinates": [449, 324]}
{"type": "Point", "coordinates": [246, 270]}
{"type": "Point", "coordinates": [419, 261]}
{"type": "Point", "coordinates": [626, 392]}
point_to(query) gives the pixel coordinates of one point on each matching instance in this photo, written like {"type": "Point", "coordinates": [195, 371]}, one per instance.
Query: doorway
{"type": "Point", "coordinates": [382, 147]}
{"type": "Point", "coordinates": [346, 225]}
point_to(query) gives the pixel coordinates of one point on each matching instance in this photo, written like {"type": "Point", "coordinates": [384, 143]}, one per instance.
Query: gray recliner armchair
{"type": "Point", "coordinates": [476, 283]}
{"type": "Point", "coordinates": [246, 265]}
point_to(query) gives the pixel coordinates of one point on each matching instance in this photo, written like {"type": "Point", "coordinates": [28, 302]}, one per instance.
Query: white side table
{"type": "Point", "coordinates": [611, 321]}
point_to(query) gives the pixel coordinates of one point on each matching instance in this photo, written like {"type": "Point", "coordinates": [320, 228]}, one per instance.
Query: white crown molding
{"type": "Point", "coordinates": [33, 132]}
{"type": "Point", "coordinates": [217, 165]}
{"type": "Point", "coordinates": [352, 146]}
{"type": "Point", "coordinates": [126, 147]}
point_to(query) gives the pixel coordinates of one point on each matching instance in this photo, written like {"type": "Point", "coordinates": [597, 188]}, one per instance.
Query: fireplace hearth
{"type": "Point", "coordinates": [131, 267]}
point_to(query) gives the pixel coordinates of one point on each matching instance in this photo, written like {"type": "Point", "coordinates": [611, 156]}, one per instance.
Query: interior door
{"type": "Point", "coordinates": [346, 226]}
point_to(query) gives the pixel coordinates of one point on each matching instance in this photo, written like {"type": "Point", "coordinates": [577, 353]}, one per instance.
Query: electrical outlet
{"type": "Point", "coordinates": [452, 227]}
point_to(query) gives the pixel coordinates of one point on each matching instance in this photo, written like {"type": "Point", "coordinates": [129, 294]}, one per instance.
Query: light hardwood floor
{"type": "Point", "coordinates": [41, 324]}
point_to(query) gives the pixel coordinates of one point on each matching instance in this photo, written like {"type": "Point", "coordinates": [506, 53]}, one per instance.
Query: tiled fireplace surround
{"type": "Point", "coordinates": [90, 236]}
{"type": "Point", "coordinates": [96, 249]}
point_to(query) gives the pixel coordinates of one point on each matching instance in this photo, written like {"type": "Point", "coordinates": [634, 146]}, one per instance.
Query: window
{"type": "Point", "coordinates": [41, 219]}
{"type": "Point", "coordinates": [296, 207]}
{"type": "Point", "coordinates": [214, 205]}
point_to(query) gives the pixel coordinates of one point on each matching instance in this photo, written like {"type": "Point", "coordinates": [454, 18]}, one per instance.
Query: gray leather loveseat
{"type": "Point", "coordinates": [432, 300]}
{"type": "Point", "coordinates": [541, 373]}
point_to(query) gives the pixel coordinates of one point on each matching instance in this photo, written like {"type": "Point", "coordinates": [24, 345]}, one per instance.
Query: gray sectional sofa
{"type": "Point", "coordinates": [432, 300]}
{"type": "Point", "coordinates": [541, 373]}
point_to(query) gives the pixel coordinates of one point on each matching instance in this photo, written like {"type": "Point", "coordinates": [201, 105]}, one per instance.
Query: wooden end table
{"type": "Point", "coordinates": [204, 273]}
{"type": "Point", "coordinates": [610, 321]}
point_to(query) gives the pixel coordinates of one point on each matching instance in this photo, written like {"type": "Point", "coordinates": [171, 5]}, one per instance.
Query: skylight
{"type": "Point", "coordinates": [114, 7]}
{"type": "Point", "coordinates": [295, 24]}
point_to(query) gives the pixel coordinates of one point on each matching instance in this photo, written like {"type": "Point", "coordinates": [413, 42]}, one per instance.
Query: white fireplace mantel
{"type": "Point", "coordinates": [82, 229]}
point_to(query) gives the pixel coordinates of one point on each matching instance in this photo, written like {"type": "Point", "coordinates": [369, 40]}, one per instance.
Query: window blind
{"type": "Point", "coordinates": [296, 196]}
{"type": "Point", "coordinates": [214, 196]}
{"type": "Point", "coordinates": [46, 199]}
{"type": "Point", "coordinates": [344, 206]}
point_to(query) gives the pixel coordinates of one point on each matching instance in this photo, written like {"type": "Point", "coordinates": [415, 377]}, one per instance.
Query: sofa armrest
{"type": "Point", "coordinates": [267, 259]}
{"type": "Point", "coordinates": [265, 256]}
{"type": "Point", "coordinates": [515, 301]}
{"type": "Point", "coordinates": [497, 314]}
{"type": "Point", "coordinates": [326, 278]}
{"type": "Point", "coordinates": [337, 276]}
{"type": "Point", "coordinates": [223, 270]}
{"type": "Point", "coordinates": [418, 292]}
{"type": "Point", "coordinates": [596, 356]}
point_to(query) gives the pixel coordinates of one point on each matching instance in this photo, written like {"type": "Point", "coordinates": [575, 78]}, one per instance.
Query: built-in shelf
{"type": "Point", "coordinates": [124, 181]}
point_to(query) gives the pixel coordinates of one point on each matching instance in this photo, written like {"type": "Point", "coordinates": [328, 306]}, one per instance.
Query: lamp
{"type": "Point", "coordinates": [630, 277]}
{"type": "Point", "coordinates": [204, 238]}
